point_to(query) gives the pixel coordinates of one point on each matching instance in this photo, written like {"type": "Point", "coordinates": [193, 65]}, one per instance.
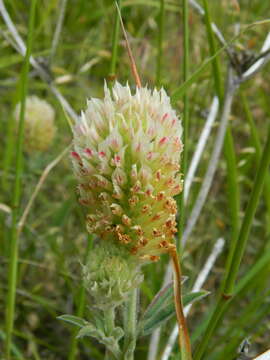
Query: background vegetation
{"type": "Point", "coordinates": [54, 240]}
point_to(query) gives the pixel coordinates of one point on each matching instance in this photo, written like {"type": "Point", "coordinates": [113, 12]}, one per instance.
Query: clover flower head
{"type": "Point", "coordinates": [39, 127]}
{"type": "Point", "coordinates": [109, 275]}
{"type": "Point", "coordinates": [126, 158]}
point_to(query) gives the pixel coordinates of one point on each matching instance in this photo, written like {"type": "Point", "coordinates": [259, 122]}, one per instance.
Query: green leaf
{"type": "Point", "coordinates": [160, 312]}
{"type": "Point", "coordinates": [161, 299]}
{"type": "Point", "coordinates": [181, 90]}
{"type": "Point", "coordinates": [90, 330]}
{"type": "Point", "coordinates": [110, 342]}
{"type": "Point", "coordinates": [191, 297]}
{"type": "Point", "coordinates": [118, 333]}
{"type": "Point", "coordinates": [74, 320]}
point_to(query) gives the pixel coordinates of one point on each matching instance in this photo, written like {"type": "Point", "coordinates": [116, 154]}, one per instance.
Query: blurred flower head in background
{"type": "Point", "coordinates": [39, 125]}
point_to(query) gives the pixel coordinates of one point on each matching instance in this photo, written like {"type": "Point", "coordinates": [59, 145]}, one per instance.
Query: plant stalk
{"type": "Point", "coordinates": [81, 305]}
{"type": "Point", "coordinates": [239, 249]}
{"type": "Point", "coordinates": [13, 253]}
{"type": "Point", "coordinates": [184, 341]}
{"type": "Point", "coordinates": [181, 206]}
{"type": "Point", "coordinates": [130, 319]}
{"type": "Point", "coordinates": [115, 41]}
{"type": "Point", "coordinates": [109, 316]}
{"type": "Point", "coordinates": [160, 42]}
{"type": "Point", "coordinates": [229, 152]}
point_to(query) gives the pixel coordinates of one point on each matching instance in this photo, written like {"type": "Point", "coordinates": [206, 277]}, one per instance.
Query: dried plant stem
{"type": "Point", "coordinates": [131, 58]}
{"type": "Point", "coordinates": [42, 178]}
{"type": "Point", "coordinates": [58, 29]}
{"type": "Point", "coordinates": [209, 264]}
{"type": "Point", "coordinates": [19, 46]}
{"type": "Point", "coordinates": [229, 151]}
{"type": "Point", "coordinates": [184, 341]}
{"type": "Point", "coordinates": [214, 27]}
{"type": "Point", "coordinates": [202, 141]}
{"type": "Point", "coordinates": [213, 162]}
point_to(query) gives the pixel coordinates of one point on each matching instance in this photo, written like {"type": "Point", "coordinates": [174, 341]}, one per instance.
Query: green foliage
{"type": "Point", "coordinates": [54, 240]}
{"type": "Point", "coordinates": [162, 309]}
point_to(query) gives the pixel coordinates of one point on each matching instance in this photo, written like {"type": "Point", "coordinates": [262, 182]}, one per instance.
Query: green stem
{"type": "Point", "coordinates": [109, 316]}
{"type": "Point", "coordinates": [185, 117]}
{"type": "Point", "coordinates": [130, 319]}
{"type": "Point", "coordinates": [160, 42]}
{"type": "Point", "coordinates": [255, 140]}
{"type": "Point", "coordinates": [81, 307]}
{"type": "Point", "coordinates": [115, 41]}
{"type": "Point", "coordinates": [13, 255]}
{"type": "Point", "coordinates": [233, 188]}
{"type": "Point", "coordinates": [242, 286]}
{"type": "Point", "coordinates": [238, 251]}
{"type": "Point", "coordinates": [249, 215]}
{"type": "Point", "coordinates": [212, 46]}
{"type": "Point", "coordinates": [232, 195]}
{"type": "Point", "coordinates": [109, 320]}
{"type": "Point", "coordinates": [8, 154]}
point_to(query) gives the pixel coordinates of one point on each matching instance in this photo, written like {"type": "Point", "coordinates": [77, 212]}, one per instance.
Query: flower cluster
{"type": "Point", "coordinates": [109, 275]}
{"type": "Point", "coordinates": [39, 128]}
{"type": "Point", "coordinates": [126, 158]}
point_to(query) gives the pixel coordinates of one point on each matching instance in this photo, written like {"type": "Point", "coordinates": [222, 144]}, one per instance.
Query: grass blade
{"type": "Point", "coordinates": [239, 249]}
{"type": "Point", "coordinates": [13, 255]}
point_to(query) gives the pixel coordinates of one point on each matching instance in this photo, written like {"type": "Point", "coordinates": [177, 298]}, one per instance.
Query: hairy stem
{"type": "Point", "coordinates": [109, 322]}
{"type": "Point", "coordinates": [130, 318]}
{"type": "Point", "coordinates": [81, 307]}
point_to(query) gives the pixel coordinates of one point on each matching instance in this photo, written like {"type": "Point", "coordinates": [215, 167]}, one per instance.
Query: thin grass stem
{"type": "Point", "coordinates": [249, 215]}
{"type": "Point", "coordinates": [229, 152]}
{"type": "Point", "coordinates": [160, 42]}
{"type": "Point", "coordinates": [231, 275]}
{"type": "Point", "coordinates": [13, 254]}
{"type": "Point", "coordinates": [257, 145]}
{"type": "Point", "coordinates": [8, 150]}
{"type": "Point", "coordinates": [115, 42]}
{"type": "Point", "coordinates": [181, 200]}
